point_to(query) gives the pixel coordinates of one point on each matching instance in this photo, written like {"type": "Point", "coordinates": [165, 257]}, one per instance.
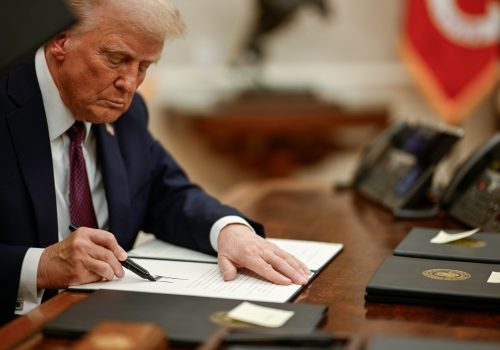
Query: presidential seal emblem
{"type": "Point", "coordinates": [469, 243]}
{"type": "Point", "coordinates": [222, 319]}
{"type": "Point", "coordinates": [446, 274]}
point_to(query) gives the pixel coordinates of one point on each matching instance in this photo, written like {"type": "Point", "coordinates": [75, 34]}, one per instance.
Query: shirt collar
{"type": "Point", "coordinates": [59, 117]}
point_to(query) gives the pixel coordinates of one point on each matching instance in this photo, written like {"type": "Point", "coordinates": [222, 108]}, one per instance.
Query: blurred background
{"type": "Point", "coordinates": [284, 88]}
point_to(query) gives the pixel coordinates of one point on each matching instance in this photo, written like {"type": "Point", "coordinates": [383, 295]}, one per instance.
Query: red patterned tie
{"type": "Point", "coordinates": [80, 200]}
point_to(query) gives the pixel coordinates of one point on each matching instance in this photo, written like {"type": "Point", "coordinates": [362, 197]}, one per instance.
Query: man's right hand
{"type": "Point", "coordinates": [86, 255]}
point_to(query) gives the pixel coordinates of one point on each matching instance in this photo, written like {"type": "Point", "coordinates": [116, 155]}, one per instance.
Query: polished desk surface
{"type": "Point", "coordinates": [314, 211]}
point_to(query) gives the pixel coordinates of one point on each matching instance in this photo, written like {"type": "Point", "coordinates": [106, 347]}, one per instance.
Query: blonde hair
{"type": "Point", "coordinates": [158, 18]}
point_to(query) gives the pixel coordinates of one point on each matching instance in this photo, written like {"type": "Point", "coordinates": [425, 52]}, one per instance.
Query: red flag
{"type": "Point", "coordinates": [452, 48]}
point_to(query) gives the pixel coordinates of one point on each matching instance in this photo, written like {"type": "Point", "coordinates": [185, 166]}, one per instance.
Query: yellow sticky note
{"type": "Point", "coordinates": [494, 277]}
{"type": "Point", "coordinates": [260, 315]}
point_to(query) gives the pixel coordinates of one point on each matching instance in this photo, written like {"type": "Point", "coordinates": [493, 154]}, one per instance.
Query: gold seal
{"type": "Point", "coordinates": [469, 243]}
{"type": "Point", "coordinates": [222, 319]}
{"type": "Point", "coordinates": [446, 274]}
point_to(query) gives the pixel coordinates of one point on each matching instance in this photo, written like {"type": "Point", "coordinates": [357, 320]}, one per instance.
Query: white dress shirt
{"type": "Point", "coordinates": [59, 120]}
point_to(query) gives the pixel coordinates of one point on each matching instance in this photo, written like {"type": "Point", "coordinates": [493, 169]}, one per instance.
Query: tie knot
{"type": "Point", "coordinates": [77, 132]}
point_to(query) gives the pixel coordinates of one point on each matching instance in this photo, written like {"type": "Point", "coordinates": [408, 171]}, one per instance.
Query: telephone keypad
{"type": "Point", "coordinates": [479, 206]}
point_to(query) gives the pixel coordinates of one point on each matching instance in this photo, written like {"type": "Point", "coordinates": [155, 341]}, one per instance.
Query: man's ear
{"type": "Point", "coordinates": [58, 46]}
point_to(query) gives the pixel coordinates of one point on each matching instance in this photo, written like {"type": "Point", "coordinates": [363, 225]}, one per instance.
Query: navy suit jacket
{"type": "Point", "coordinates": [145, 188]}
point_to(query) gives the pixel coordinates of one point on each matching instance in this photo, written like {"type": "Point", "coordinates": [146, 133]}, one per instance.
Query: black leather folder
{"type": "Point", "coordinates": [186, 320]}
{"type": "Point", "coordinates": [27, 24]}
{"type": "Point", "coordinates": [481, 247]}
{"type": "Point", "coordinates": [434, 282]}
{"type": "Point", "coordinates": [414, 343]}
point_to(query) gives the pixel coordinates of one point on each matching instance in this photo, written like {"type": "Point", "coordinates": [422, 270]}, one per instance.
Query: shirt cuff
{"type": "Point", "coordinates": [28, 296]}
{"type": "Point", "coordinates": [223, 222]}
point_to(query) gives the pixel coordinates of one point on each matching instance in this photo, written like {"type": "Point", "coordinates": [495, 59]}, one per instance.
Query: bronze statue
{"type": "Point", "coordinates": [273, 14]}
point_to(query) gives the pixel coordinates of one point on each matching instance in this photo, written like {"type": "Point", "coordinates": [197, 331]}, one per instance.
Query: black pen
{"type": "Point", "coordinates": [127, 263]}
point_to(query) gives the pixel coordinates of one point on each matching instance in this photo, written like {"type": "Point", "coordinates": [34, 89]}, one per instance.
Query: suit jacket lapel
{"type": "Point", "coordinates": [28, 127]}
{"type": "Point", "coordinates": [115, 180]}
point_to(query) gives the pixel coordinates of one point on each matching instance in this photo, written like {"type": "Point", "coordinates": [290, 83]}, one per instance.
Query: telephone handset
{"type": "Point", "coordinates": [473, 195]}
{"type": "Point", "coordinates": [397, 169]}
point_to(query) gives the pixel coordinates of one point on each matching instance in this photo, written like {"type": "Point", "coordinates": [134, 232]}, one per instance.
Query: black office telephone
{"type": "Point", "coordinates": [397, 169]}
{"type": "Point", "coordinates": [473, 195]}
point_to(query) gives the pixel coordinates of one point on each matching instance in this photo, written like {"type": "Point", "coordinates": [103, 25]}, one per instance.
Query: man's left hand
{"type": "Point", "coordinates": [239, 246]}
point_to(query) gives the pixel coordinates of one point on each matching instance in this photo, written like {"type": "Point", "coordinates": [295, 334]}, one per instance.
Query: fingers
{"type": "Point", "coordinates": [267, 270]}
{"type": "Point", "coordinates": [104, 263]}
{"type": "Point", "coordinates": [276, 265]}
{"type": "Point", "coordinates": [295, 263]}
{"type": "Point", "coordinates": [227, 268]}
{"type": "Point", "coordinates": [238, 246]}
{"type": "Point", "coordinates": [287, 265]}
{"type": "Point", "coordinates": [108, 240]}
{"type": "Point", "coordinates": [87, 255]}
{"type": "Point", "coordinates": [101, 253]}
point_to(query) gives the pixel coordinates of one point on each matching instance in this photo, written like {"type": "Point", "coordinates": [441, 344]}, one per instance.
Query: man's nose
{"type": "Point", "coordinates": [127, 81]}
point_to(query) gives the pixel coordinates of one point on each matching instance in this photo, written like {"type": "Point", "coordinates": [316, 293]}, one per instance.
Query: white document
{"type": "Point", "coordinates": [156, 249]}
{"type": "Point", "coordinates": [188, 272]}
{"type": "Point", "coordinates": [314, 254]}
{"type": "Point", "coordinates": [197, 279]}
{"type": "Point", "coordinates": [445, 237]}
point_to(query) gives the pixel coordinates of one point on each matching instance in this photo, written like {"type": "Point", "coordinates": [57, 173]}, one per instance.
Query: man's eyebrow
{"type": "Point", "coordinates": [115, 51]}
{"type": "Point", "coordinates": [124, 52]}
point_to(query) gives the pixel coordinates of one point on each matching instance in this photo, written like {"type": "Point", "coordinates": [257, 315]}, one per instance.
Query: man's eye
{"type": "Point", "coordinates": [114, 60]}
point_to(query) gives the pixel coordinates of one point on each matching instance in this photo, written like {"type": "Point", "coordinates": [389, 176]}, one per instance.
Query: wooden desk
{"type": "Point", "coordinates": [312, 211]}
{"type": "Point", "coordinates": [369, 234]}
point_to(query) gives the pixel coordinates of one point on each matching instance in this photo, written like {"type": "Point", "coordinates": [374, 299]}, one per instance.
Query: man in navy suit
{"type": "Point", "coordinates": [90, 74]}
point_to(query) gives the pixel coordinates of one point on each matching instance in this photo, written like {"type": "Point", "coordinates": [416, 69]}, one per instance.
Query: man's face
{"type": "Point", "coordinates": [98, 72]}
